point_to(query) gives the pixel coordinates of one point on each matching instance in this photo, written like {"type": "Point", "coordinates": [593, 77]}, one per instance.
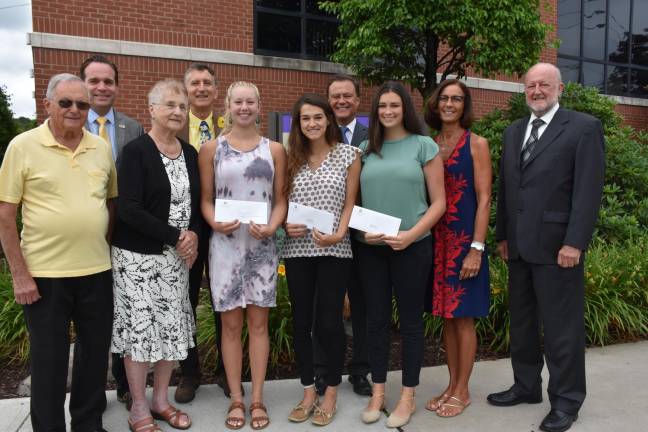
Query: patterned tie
{"type": "Point", "coordinates": [344, 130]}
{"type": "Point", "coordinates": [103, 130]}
{"type": "Point", "coordinates": [205, 135]}
{"type": "Point", "coordinates": [530, 144]}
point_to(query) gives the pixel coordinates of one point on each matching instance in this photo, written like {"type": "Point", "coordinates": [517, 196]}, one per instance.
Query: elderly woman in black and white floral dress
{"type": "Point", "coordinates": [154, 246]}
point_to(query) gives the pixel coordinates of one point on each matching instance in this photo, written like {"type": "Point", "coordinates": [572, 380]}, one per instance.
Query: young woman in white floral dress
{"type": "Point", "coordinates": [242, 165]}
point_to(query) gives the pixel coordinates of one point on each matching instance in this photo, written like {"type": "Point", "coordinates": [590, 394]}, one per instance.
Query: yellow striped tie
{"type": "Point", "coordinates": [103, 130]}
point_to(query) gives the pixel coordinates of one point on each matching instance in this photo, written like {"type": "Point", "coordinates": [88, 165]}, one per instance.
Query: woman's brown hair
{"type": "Point", "coordinates": [432, 117]}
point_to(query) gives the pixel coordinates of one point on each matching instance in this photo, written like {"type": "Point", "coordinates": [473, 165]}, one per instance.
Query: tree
{"type": "Point", "coordinates": [410, 40]}
{"type": "Point", "coordinates": [7, 125]}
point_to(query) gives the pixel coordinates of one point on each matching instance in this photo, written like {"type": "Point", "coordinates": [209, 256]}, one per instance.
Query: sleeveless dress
{"type": "Point", "coordinates": [242, 269]}
{"type": "Point", "coordinates": [453, 234]}
{"type": "Point", "coordinates": [153, 319]}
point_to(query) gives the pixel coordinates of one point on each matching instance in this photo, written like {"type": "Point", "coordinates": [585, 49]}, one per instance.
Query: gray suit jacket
{"type": "Point", "coordinates": [360, 133]}
{"type": "Point", "coordinates": [126, 130]}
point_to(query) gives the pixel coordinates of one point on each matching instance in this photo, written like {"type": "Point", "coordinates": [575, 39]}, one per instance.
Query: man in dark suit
{"type": "Point", "coordinates": [201, 126]}
{"type": "Point", "coordinates": [343, 94]}
{"type": "Point", "coordinates": [101, 77]}
{"type": "Point", "coordinates": [550, 187]}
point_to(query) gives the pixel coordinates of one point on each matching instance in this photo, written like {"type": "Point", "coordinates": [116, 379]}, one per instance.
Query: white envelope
{"type": "Point", "coordinates": [311, 217]}
{"type": "Point", "coordinates": [244, 211]}
{"type": "Point", "coordinates": [374, 222]}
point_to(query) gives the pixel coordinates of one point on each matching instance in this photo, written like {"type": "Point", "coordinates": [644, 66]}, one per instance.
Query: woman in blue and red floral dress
{"type": "Point", "coordinates": [460, 291]}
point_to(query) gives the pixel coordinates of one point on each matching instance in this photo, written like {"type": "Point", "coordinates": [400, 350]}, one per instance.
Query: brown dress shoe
{"type": "Point", "coordinates": [186, 390]}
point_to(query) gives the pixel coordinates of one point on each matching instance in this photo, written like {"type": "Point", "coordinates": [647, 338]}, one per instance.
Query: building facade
{"type": "Point", "coordinates": [281, 45]}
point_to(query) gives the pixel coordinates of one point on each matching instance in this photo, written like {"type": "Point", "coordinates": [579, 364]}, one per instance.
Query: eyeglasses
{"type": "Point", "coordinates": [67, 103]}
{"type": "Point", "coordinates": [172, 106]}
{"type": "Point", "coordinates": [455, 99]}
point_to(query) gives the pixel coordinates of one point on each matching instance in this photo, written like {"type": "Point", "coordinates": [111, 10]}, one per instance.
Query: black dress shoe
{"type": "Point", "coordinates": [512, 397]}
{"type": "Point", "coordinates": [361, 385]}
{"type": "Point", "coordinates": [320, 385]}
{"type": "Point", "coordinates": [557, 421]}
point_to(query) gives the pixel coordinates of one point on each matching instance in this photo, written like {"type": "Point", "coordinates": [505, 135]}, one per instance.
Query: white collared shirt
{"type": "Point", "coordinates": [350, 129]}
{"type": "Point", "coordinates": [546, 118]}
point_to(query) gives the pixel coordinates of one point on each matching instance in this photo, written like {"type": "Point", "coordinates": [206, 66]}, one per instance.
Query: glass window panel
{"type": "Point", "coordinates": [569, 17]}
{"type": "Point", "coordinates": [593, 75]}
{"type": "Point", "coordinates": [619, 31]}
{"type": "Point", "coordinates": [278, 33]}
{"type": "Point", "coordinates": [640, 33]}
{"type": "Point", "coordinates": [320, 38]}
{"type": "Point", "coordinates": [639, 83]}
{"type": "Point", "coordinates": [569, 69]}
{"type": "Point", "coordinates": [617, 80]}
{"type": "Point", "coordinates": [312, 7]}
{"type": "Point", "coordinates": [594, 29]}
{"type": "Point", "coordinates": [291, 5]}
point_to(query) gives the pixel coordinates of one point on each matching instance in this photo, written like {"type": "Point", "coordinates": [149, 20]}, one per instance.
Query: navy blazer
{"type": "Point", "coordinates": [145, 198]}
{"type": "Point", "coordinates": [554, 197]}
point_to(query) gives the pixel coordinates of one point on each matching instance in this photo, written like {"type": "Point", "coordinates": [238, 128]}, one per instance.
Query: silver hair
{"type": "Point", "coordinates": [552, 66]}
{"type": "Point", "coordinates": [161, 87]}
{"type": "Point", "coordinates": [57, 79]}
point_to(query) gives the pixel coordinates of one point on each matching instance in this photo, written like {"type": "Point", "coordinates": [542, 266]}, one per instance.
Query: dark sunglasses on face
{"type": "Point", "coordinates": [67, 103]}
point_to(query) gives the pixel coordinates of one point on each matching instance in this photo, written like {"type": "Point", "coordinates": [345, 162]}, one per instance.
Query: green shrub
{"type": "Point", "coordinates": [14, 339]}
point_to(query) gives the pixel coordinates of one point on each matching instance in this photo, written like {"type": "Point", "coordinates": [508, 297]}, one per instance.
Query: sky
{"type": "Point", "coordinates": [16, 60]}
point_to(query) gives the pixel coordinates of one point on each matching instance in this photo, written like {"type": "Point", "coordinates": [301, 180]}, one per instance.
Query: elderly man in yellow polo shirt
{"type": "Point", "coordinates": [63, 178]}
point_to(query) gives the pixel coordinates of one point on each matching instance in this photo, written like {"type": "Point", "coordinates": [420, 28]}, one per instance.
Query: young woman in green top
{"type": "Point", "coordinates": [401, 176]}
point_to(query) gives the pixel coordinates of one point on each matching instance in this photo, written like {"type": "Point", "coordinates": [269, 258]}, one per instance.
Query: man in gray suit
{"type": "Point", "coordinates": [550, 186]}
{"type": "Point", "coordinates": [343, 94]}
{"type": "Point", "coordinates": [102, 80]}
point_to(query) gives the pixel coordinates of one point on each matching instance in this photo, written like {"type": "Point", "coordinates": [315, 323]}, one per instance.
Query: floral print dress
{"type": "Point", "coordinates": [153, 319]}
{"type": "Point", "coordinates": [242, 269]}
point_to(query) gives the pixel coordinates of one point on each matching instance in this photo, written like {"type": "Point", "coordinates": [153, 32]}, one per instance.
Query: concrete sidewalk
{"type": "Point", "coordinates": [617, 401]}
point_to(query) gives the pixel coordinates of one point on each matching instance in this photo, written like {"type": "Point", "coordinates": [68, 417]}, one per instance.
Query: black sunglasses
{"type": "Point", "coordinates": [67, 103]}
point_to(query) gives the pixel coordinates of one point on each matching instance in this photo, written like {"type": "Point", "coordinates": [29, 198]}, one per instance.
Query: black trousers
{"type": "Point", "coordinates": [407, 271]}
{"type": "Point", "coordinates": [190, 367]}
{"type": "Point", "coordinates": [548, 300]}
{"type": "Point", "coordinates": [316, 286]}
{"type": "Point", "coordinates": [88, 301]}
{"type": "Point", "coordinates": [358, 365]}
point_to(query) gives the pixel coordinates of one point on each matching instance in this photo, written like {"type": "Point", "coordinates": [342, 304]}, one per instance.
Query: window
{"type": "Point", "coordinates": [294, 28]}
{"type": "Point", "coordinates": [604, 43]}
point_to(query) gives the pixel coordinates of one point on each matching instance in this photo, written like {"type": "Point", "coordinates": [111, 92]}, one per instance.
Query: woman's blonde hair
{"type": "Point", "coordinates": [228, 97]}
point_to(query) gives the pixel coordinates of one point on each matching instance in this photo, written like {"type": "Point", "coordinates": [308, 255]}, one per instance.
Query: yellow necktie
{"type": "Point", "coordinates": [103, 130]}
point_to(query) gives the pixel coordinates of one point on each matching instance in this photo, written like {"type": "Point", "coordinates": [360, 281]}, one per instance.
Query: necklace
{"type": "Point", "coordinates": [445, 147]}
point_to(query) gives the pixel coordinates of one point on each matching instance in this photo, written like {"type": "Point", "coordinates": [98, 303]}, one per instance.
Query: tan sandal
{"type": "Point", "coordinates": [259, 422]}
{"type": "Point", "coordinates": [435, 403]}
{"type": "Point", "coordinates": [301, 413]}
{"type": "Point", "coordinates": [232, 422]}
{"type": "Point", "coordinates": [372, 416]}
{"type": "Point", "coordinates": [145, 425]}
{"type": "Point", "coordinates": [396, 421]}
{"type": "Point", "coordinates": [460, 405]}
{"type": "Point", "coordinates": [172, 416]}
{"type": "Point", "coordinates": [322, 417]}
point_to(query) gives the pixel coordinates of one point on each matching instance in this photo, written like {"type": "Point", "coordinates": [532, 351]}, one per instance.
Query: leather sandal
{"type": "Point", "coordinates": [232, 422]}
{"type": "Point", "coordinates": [172, 416]}
{"type": "Point", "coordinates": [259, 422]}
{"type": "Point", "coordinates": [301, 413]}
{"type": "Point", "coordinates": [145, 425]}
{"type": "Point", "coordinates": [436, 402]}
{"type": "Point", "coordinates": [453, 402]}
{"type": "Point", "coordinates": [322, 417]}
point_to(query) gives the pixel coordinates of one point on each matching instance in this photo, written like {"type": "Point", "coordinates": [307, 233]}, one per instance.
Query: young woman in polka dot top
{"type": "Point", "coordinates": [322, 173]}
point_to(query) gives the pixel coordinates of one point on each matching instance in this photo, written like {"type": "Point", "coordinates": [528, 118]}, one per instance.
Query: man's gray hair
{"type": "Point", "coordinates": [56, 80]}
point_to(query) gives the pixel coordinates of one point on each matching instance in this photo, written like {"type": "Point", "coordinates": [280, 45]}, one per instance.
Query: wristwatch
{"type": "Point", "coordinates": [478, 246]}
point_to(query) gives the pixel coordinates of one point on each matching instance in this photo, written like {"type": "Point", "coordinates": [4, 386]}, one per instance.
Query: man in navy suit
{"type": "Point", "coordinates": [343, 94]}
{"type": "Point", "coordinates": [550, 187]}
